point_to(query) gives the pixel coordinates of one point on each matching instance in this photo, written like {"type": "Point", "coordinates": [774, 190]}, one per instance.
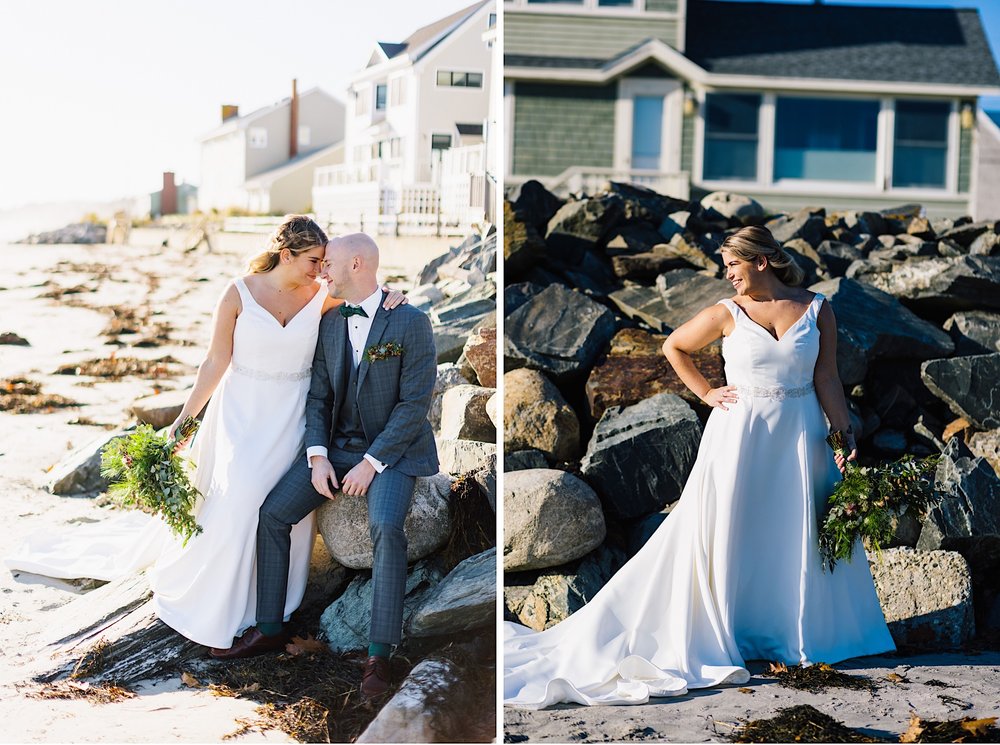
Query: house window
{"type": "Point", "coordinates": [920, 153]}
{"type": "Point", "coordinates": [380, 91]}
{"type": "Point", "coordinates": [257, 136]}
{"type": "Point", "coordinates": [450, 78]}
{"type": "Point", "coordinates": [820, 139]}
{"type": "Point", "coordinates": [615, 3]}
{"type": "Point", "coordinates": [397, 91]}
{"type": "Point", "coordinates": [731, 136]}
{"type": "Point", "coordinates": [491, 21]}
{"type": "Point", "coordinates": [305, 136]}
{"type": "Point", "coordinates": [440, 142]}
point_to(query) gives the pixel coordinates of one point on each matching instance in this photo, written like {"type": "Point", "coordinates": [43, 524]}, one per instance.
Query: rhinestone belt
{"type": "Point", "coordinates": [277, 376]}
{"type": "Point", "coordinates": [776, 393]}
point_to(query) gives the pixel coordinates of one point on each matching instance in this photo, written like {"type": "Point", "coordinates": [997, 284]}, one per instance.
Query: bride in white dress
{"type": "Point", "coordinates": [256, 373]}
{"type": "Point", "coordinates": [734, 572]}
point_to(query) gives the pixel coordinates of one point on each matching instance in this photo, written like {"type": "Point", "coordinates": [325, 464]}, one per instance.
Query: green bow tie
{"type": "Point", "coordinates": [352, 310]}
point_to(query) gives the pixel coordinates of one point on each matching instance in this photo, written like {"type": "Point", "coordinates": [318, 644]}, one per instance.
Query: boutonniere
{"type": "Point", "coordinates": [384, 351]}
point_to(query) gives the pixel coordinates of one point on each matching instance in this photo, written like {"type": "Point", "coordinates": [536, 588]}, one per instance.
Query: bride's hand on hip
{"type": "Point", "coordinates": [394, 298]}
{"type": "Point", "coordinates": [717, 398]}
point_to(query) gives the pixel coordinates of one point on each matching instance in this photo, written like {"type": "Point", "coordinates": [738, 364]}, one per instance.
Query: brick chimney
{"type": "Point", "coordinates": [168, 197]}
{"type": "Point", "coordinates": [293, 128]}
{"type": "Point", "coordinates": [229, 111]}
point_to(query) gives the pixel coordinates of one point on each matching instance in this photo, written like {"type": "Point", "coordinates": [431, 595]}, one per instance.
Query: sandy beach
{"type": "Point", "coordinates": [59, 298]}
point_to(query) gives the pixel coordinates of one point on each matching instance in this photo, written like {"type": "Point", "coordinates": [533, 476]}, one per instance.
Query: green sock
{"type": "Point", "coordinates": [377, 649]}
{"type": "Point", "coordinates": [270, 629]}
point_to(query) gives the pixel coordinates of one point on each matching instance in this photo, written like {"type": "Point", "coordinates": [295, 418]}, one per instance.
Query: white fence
{"type": "Point", "coordinates": [582, 180]}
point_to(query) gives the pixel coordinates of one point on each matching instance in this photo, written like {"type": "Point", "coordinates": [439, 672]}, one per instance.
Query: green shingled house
{"type": "Point", "coordinates": [858, 107]}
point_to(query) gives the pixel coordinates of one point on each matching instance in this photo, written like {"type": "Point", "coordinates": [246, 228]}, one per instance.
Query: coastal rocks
{"type": "Point", "coordinates": [579, 225]}
{"type": "Point", "coordinates": [14, 340]}
{"type": "Point", "coordinates": [87, 233]}
{"type": "Point", "coordinates": [481, 353]}
{"type": "Point", "coordinates": [346, 623]}
{"type": "Point", "coordinates": [449, 375]}
{"type": "Point", "coordinates": [639, 456]}
{"type": "Point", "coordinates": [969, 385]}
{"type": "Point", "coordinates": [536, 416]}
{"type": "Point", "coordinates": [643, 304]}
{"type": "Point", "coordinates": [343, 523]}
{"type": "Point", "coordinates": [412, 714]}
{"type": "Point", "coordinates": [728, 206]}
{"type": "Point", "coordinates": [80, 471]}
{"type": "Point", "coordinates": [160, 410]}
{"type": "Point", "coordinates": [635, 368]}
{"type": "Point", "coordinates": [926, 597]}
{"type": "Point", "coordinates": [583, 328]}
{"type": "Point", "coordinates": [550, 518]}
{"type": "Point", "coordinates": [941, 285]}
{"type": "Point", "coordinates": [557, 594]}
{"type": "Point", "coordinates": [805, 224]}
{"type": "Point", "coordinates": [463, 414]}
{"type": "Point", "coordinates": [974, 332]}
{"type": "Point", "coordinates": [522, 460]}
{"type": "Point", "coordinates": [872, 324]}
{"type": "Point", "coordinates": [464, 600]}
{"type": "Point", "coordinates": [534, 204]}
{"type": "Point", "coordinates": [685, 292]}
{"type": "Point", "coordinates": [458, 457]}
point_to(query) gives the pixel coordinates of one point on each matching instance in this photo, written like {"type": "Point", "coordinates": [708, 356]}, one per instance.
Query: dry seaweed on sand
{"type": "Point", "coordinates": [23, 396]}
{"type": "Point", "coordinates": [92, 662]}
{"type": "Point", "coordinates": [967, 729]}
{"type": "Point", "coordinates": [801, 723]}
{"type": "Point", "coordinates": [107, 693]}
{"type": "Point", "coordinates": [816, 678]}
{"type": "Point", "coordinates": [119, 367]}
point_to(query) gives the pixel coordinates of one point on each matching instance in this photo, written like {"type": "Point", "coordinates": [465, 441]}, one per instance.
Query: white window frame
{"type": "Point", "coordinates": [257, 138]}
{"type": "Point", "coordinates": [670, 134]}
{"type": "Point", "coordinates": [881, 184]}
{"type": "Point", "coordinates": [480, 87]}
{"type": "Point", "coordinates": [375, 106]}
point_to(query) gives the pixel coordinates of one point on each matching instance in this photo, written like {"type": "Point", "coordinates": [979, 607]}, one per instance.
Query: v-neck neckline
{"type": "Point", "coordinates": [274, 318]}
{"type": "Point", "coordinates": [772, 337]}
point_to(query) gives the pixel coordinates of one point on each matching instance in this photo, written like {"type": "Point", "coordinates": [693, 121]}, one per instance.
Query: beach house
{"type": "Point", "coordinates": [859, 107]}
{"type": "Point", "coordinates": [414, 131]}
{"type": "Point", "coordinates": [263, 161]}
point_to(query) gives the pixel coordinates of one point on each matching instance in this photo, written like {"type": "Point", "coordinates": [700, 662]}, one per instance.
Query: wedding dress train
{"type": "Point", "coordinates": [734, 572]}
{"type": "Point", "coordinates": [253, 429]}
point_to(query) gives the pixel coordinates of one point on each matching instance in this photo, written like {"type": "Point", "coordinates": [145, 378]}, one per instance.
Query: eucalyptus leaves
{"type": "Point", "coordinates": [147, 475]}
{"type": "Point", "coordinates": [865, 502]}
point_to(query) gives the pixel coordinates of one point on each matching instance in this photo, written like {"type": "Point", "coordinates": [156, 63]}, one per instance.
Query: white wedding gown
{"type": "Point", "coordinates": [253, 429]}
{"type": "Point", "coordinates": [734, 572]}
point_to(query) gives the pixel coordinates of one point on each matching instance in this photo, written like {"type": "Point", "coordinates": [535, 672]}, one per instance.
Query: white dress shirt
{"type": "Point", "coordinates": [358, 328]}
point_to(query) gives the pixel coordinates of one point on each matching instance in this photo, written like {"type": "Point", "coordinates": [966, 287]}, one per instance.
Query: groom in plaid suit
{"type": "Point", "coordinates": [367, 434]}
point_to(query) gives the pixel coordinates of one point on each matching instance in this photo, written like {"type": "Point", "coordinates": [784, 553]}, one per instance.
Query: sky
{"type": "Point", "coordinates": [99, 97]}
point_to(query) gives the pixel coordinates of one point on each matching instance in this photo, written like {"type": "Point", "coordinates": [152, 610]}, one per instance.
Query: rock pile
{"type": "Point", "coordinates": [918, 307]}
{"type": "Point", "coordinates": [80, 232]}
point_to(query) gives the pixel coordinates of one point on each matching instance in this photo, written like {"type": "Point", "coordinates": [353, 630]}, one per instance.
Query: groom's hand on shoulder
{"type": "Point", "coordinates": [358, 479]}
{"type": "Point", "coordinates": [323, 476]}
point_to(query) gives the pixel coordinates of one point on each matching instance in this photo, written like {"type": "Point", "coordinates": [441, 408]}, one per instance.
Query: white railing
{"type": "Point", "coordinates": [358, 173]}
{"type": "Point", "coordinates": [463, 184]}
{"type": "Point", "coordinates": [584, 180]}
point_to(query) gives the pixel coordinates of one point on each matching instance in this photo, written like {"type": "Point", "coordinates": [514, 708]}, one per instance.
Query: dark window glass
{"type": "Point", "coordinates": [825, 139]}
{"type": "Point", "coordinates": [616, 3]}
{"type": "Point", "coordinates": [731, 136]}
{"type": "Point", "coordinates": [920, 151]}
{"type": "Point", "coordinates": [440, 142]}
{"type": "Point", "coordinates": [380, 97]}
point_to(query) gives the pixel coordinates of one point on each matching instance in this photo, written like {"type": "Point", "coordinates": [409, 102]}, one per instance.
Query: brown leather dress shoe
{"type": "Point", "coordinates": [376, 677]}
{"type": "Point", "coordinates": [251, 644]}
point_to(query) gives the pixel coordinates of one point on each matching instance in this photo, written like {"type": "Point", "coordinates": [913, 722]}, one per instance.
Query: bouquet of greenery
{"type": "Point", "coordinates": [147, 475]}
{"type": "Point", "coordinates": [865, 502]}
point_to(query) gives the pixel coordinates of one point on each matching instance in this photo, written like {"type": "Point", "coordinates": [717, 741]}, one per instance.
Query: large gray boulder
{"type": "Point", "coordinates": [343, 523]}
{"type": "Point", "coordinates": [926, 596]}
{"type": "Point", "coordinates": [974, 332]}
{"type": "Point", "coordinates": [582, 224]}
{"type": "Point", "coordinates": [464, 600]}
{"type": "Point", "coordinates": [872, 324]}
{"type": "Point", "coordinates": [463, 414]}
{"type": "Point", "coordinates": [473, 303]}
{"type": "Point", "coordinates": [803, 224]}
{"type": "Point", "coordinates": [640, 456]}
{"type": "Point", "coordinates": [449, 375]}
{"type": "Point", "coordinates": [346, 623]}
{"type": "Point", "coordinates": [941, 285]}
{"type": "Point", "coordinates": [562, 591]}
{"type": "Point", "coordinates": [730, 206]}
{"type": "Point", "coordinates": [80, 471]}
{"type": "Point", "coordinates": [415, 713]}
{"type": "Point", "coordinates": [537, 417]}
{"type": "Point", "coordinates": [160, 410]}
{"type": "Point", "coordinates": [457, 457]}
{"type": "Point", "coordinates": [642, 304]}
{"type": "Point", "coordinates": [558, 331]}
{"type": "Point", "coordinates": [550, 517]}
{"type": "Point", "coordinates": [969, 385]}
{"type": "Point", "coordinates": [685, 292]}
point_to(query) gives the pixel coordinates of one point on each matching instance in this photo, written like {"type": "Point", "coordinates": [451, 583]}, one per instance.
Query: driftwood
{"type": "Point", "coordinates": [112, 635]}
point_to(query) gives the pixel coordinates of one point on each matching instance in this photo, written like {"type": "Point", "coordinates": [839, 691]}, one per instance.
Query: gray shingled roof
{"type": "Point", "coordinates": [845, 42]}
{"type": "Point", "coordinates": [926, 45]}
{"type": "Point", "coordinates": [427, 33]}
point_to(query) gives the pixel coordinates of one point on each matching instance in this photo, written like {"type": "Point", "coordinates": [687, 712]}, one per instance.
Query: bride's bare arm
{"type": "Point", "coordinates": [826, 378]}
{"type": "Point", "coordinates": [699, 332]}
{"type": "Point", "coordinates": [394, 298]}
{"type": "Point", "coordinates": [220, 352]}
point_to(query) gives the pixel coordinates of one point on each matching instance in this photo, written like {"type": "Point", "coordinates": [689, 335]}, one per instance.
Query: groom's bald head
{"type": "Point", "coordinates": [352, 265]}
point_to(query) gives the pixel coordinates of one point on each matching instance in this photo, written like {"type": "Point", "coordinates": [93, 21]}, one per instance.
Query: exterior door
{"type": "Point", "coordinates": [648, 125]}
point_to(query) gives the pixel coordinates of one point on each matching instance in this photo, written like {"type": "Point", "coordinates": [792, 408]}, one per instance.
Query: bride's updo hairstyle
{"type": "Point", "coordinates": [297, 233]}
{"type": "Point", "coordinates": [754, 241]}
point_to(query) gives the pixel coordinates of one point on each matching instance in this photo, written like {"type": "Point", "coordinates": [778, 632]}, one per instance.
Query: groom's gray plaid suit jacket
{"type": "Point", "coordinates": [393, 394]}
